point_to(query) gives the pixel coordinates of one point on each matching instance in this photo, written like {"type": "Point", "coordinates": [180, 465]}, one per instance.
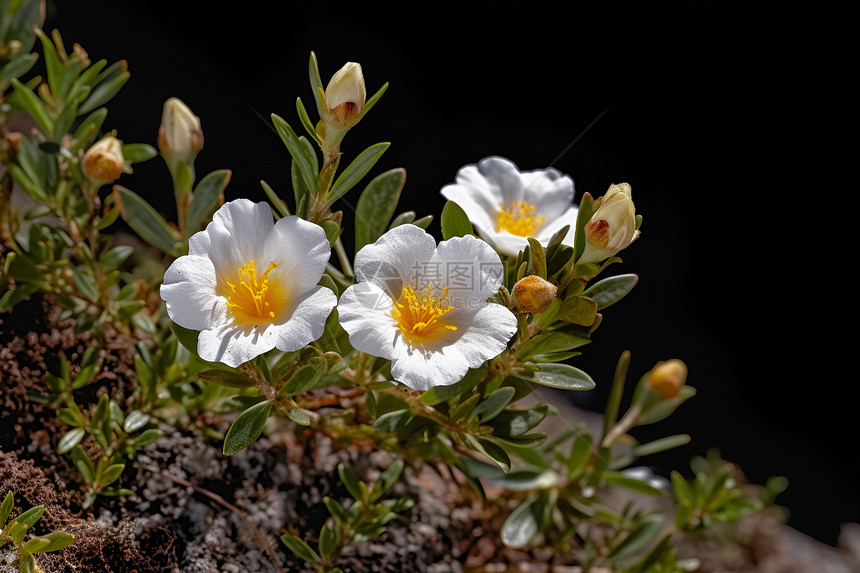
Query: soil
{"type": "Point", "coordinates": [197, 511]}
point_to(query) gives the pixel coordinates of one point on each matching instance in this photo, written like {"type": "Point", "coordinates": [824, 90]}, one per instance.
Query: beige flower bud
{"type": "Point", "coordinates": [667, 377]}
{"type": "Point", "coordinates": [179, 135]}
{"type": "Point", "coordinates": [345, 96]}
{"type": "Point", "coordinates": [534, 294]}
{"type": "Point", "coordinates": [613, 227]}
{"type": "Point", "coordinates": [104, 162]}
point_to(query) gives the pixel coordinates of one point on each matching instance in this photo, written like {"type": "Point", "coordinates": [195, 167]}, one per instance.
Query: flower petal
{"type": "Point", "coordinates": [487, 334]}
{"type": "Point", "coordinates": [422, 369]}
{"type": "Point", "coordinates": [548, 190]}
{"type": "Point", "coordinates": [188, 289]}
{"type": "Point", "coordinates": [237, 234]}
{"type": "Point", "coordinates": [395, 258]}
{"type": "Point", "coordinates": [364, 312]}
{"type": "Point", "coordinates": [307, 322]}
{"type": "Point", "coordinates": [232, 345]}
{"type": "Point", "coordinates": [472, 269]}
{"type": "Point", "coordinates": [301, 251]}
{"type": "Point", "coordinates": [552, 227]}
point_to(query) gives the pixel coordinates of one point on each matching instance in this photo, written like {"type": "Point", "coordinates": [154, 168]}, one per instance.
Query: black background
{"type": "Point", "coordinates": [734, 123]}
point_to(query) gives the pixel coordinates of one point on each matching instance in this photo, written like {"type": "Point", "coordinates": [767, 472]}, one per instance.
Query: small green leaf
{"type": "Point", "coordinates": [135, 421]}
{"type": "Point", "coordinates": [306, 162]}
{"type": "Point", "coordinates": [661, 445]}
{"type": "Point", "coordinates": [372, 100]}
{"type": "Point", "coordinates": [300, 548]}
{"type": "Point", "coordinates": [327, 543]}
{"type": "Point", "coordinates": [562, 376]}
{"type": "Point", "coordinates": [147, 437]}
{"type": "Point", "coordinates": [538, 258]}
{"type": "Point", "coordinates": [31, 516]}
{"type": "Point", "coordinates": [356, 170]}
{"type": "Point", "coordinates": [316, 81]}
{"type": "Point", "coordinates": [613, 402]}
{"type": "Point", "coordinates": [113, 258]}
{"type": "Point", "coordinates": [493, 404]}
{"type": "Point", "coordinates": [351, 482]}
{"type": "Point", "coordinates": [454, 221]}
{"type": "Point", "coordinates": [110, 474]}
{"type": "Point", "coordinates": [528, 480]}
{"type": "Point", "coordinates": [493, 451]}
{"type": "Point", "coordinates": [207, 197]}
{"type": "Point", "coordinates": [109, 83]}
{"type": "Point", "coordinates": [247, 428]}
{"type": "Point", "coordinates": [646, 532]}
{"type": "Point", "coordinates": [85, 283]}
{"type": "Point", "coordinates": [586, 206]}
{"type": "Point", "coordinates": [610, 290]}
{"type": "Point", "coordinates": [633, 484]}
{"type": "Point", "coordinates": [280, 204]}
{"type": "Point", "coordinates": [34, 106]}
{"type": "Point", "coordinates": [304, 378]}
{"type": "Point", "coordinates": [523, 523]}
{"type": "Point", "coordinates": [138, 152]}
{"type": "Point", "coordinates": [515, 423]}
{"type": "Point", "coordinates": [6, 508]}
{"type": "Point", "coordinates": [386, 479]}
{"type": "Point", "coordinates": [227, 378]}
{"type": "Point", "coordinates": [145, 221]}
{"type": "Point", "coordinates": [27, 563]}
{"type": "Point", "coordinates": [580, 454]}
{"type": "Point", "coordinates": [71, 439]}
{"type": "Point", "coordinates": [299, 416]}
{"type": "Point", "coordinates": [376, 206]}
{"type": "Point", "coordinates": [306, 120]}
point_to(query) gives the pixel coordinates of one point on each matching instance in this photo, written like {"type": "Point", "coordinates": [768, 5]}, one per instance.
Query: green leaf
{"type": "Point", "coordinates": [135, 421]}
{"type": "Point", "coordinates": [610, 290]}
{"type": "Point", "coordinates": [280, 204]}
{"type": "Point", "coordinates": [34, 106]}
{"type": "Point", "coordinates": [644, 534]}
{"type": "Point", "coordinates": [207, 197]}
{"type": "Point", "coordinates": [83, 463]}
{"type": "Point", "coordinates": [27, 563]}
{"type": "Point", "coordinates": [247, 428]}
{"type": "Point", "coordinates": [71, 439]}
{"type": "Point", "coordinates": [113, 258]}
{"type": "Point", "coordinates": [515, 423]}
{"type": "Point", "coordinates": [580, 454]}
{"type": "Point", "coordinates": [578, 310]}
{"type": "Point", "coordinates": [316, 82]}
{"type": "Point", "coordinates": [6, 508]}
{"type": "Point", "coordinates": [88, 129]}
{"type": "Point", "coordinates": [493, 451]}
{"type": "Point", "coordinates": [31, 516]}
{"type": "Point", "coordinates": [13, 296]}
{"type": "Point", "coordinates": [227, 378]}
{"type": "Point", "coordinates": [562, 376]}
{"type": "Point", "coordinates": [633, 484]}
{"type": "Point", "coordinates": [661, 445]}
{"type": "Point", "coordinates": [523, 523]}
{"type": "Point", "coordinates": [493, 404]}
{"type": "Point", "coordinates": [147, 437]}
{"type": "Point", "coordinates": [538, 258]}
{"type": "Point", "coordinates": [547, 344]}
{"type": "Point", "coordinates": [454, 221]}
{"type": "Point", "coordinates": [306, 162]}
{"type": "Point", "coordinates": [110, 474]}
{"type": "Point", "coordinates": [386, 480]}
{"type": "Point", "coordinates": [304, 378]}
{"type": "Point", "coordinates": [16, 68]}
{"type": "Point", "coordinates": [138, 152]}
{"type": "Point", "coordinates": [356, 170]}
{"type": "Point", "coordinates": [327, 543]}
{"type": "Point", "coordinates": [306, 121]}
{"type": "Point", "coordinates": [613, 402]}
{"type": "Point", "coordinates": [85, 283]}
{"type": "Point", "coordinates": [351, 482]}
{"type": "Point", "coordinates": [299, 416]}
{"type": "Point", "coordinates": [336, 509]}
{"type": "Point", "coordinates": [300, 548]}
{"type": "Point", "coordinates": [145, 221]}
{"type": "Point", "coordinates": [586, 206]}
{"type": "Point", "coordinates": [372, 100]}
{"type": "Point", "coordinates": [109, 83]}
{"type": "Point", "coordinates": [528, 480]}
{"type": "Point", "coordinates": [376, 206]}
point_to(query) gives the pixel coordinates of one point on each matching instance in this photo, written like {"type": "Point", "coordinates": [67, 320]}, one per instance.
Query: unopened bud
{"type": "Point", "coordinates": [104, 162]}
{"type": "Point", "coordinates": [179, 136]}
{"type": "Point", "coordinates": [345, 96]}
{"type": "Point", "coordinates": [534, 294]}
{"type": "Point", "coordinates": [667, 377]}
{"type": "Point", "coordinates": [613, 227]}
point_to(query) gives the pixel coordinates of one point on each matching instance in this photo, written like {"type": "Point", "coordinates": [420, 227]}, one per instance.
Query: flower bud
{"type": "Point", "coordinates": [667, 377]}
{"type": "Point", "coordinates": [613, 227]}
{"type": "Point", "coordinates": [104, 162]}
{"type": "Point", "coordinates": [345, 96]}
{"type": "Point", "coordinates": [179, 136]}
{"type": "Point", "coordinates": [534, 294]}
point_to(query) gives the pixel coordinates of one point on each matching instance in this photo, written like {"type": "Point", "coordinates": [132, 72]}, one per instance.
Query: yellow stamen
{"type": "Point", "coordinates": [251, 299]}
{"type": "Point", "coordinates": [520, 219]}
{"type": "Point", "coordinates": [420, 316]}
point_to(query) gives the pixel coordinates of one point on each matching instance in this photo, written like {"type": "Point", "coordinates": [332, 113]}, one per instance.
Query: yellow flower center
{"type": "Point", "coordinates": [419, 317]}
{"type": "Point", "coordinates": [519, 219]}
{"type": "Point", "coordinates": [253, 300]}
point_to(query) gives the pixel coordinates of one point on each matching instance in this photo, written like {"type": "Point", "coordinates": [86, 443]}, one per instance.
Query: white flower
{"type": "Point", "coordinates": [425, 307]}
{"type": "Point", "coordinates": [250, 285]}
{"type": "Point", "coordinates": [506, 205]}
{"type": "Point", "coordinates": [179, 134]}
